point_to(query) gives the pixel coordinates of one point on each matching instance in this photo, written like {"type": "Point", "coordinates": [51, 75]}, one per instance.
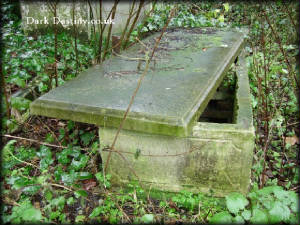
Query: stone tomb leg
{"type": "Point", "coordinates": [162, 139]}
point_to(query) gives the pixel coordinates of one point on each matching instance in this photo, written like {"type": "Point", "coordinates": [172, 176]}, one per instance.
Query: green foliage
{"type": "Point", "coordinates": [221, 218]}
{"type": "Point", "coordinates": [20, 103]}
{"type": "Point", "coordinates": [108, 207]}
{"type": "Point", "coordinates": [46, 157]}
{"type": "Point", "coordinates": [103, 179]}
{"type": "Point", "coordinates": [86, 138]}
{"type": "Point", "coordinates": [236, 202]}
{"type": "Point", "coordinates": [25, 212]}
{"type": "Point", "coordinates": [147, 218]}
{"type": "Point", "coordinates": [271, 204]}
{"type": "Point", "coordinates": [186, 200]}
{"type": "Point", "coordinates": [28, 61]}
{"type": "Point", "coordinates": [185, 16]}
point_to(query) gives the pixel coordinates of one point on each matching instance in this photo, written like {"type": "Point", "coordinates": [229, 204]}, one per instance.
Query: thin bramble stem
{"type": "Point", "coordinates": [39, 142]}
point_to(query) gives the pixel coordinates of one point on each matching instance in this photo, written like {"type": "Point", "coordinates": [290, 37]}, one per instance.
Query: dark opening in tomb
{"type": "Point", "coordinates": [220, 108]}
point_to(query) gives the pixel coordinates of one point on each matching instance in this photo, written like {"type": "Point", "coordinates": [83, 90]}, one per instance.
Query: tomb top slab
{"type": "Point", "coordinates": [186, 70]}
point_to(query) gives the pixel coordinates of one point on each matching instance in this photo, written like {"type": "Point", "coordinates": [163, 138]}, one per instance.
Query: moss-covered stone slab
{"type": "Point", "coordinates": [187, 68]}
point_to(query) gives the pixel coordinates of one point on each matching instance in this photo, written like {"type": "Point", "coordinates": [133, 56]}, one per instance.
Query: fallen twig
{"type": "Point", "coordinates": [39, 142]}
{"type": "Point", "coordinates": [61, 186]}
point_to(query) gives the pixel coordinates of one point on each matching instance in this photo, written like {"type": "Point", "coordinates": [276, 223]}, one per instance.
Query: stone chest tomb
{"type": "Point", "coordinates": [165, 138]}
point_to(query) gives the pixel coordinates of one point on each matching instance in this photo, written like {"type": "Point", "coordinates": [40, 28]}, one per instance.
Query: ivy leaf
{"type": "Point", "coordinates": [43, 87]}
{"type": "Point", "coordinates": [268, 190]}
{"type": "Point", "coordinates": [282, 195]}
{"type": "Point", "coordinates": [62, 156]}
{"type": "Point", "coordinates": [238, 219]}
{"type": "Point", "coordinates": [147, 218]}
{"type": "Point", "coordinates": [221, 18]}
{"type": "Point", "coordinates": [226, 7]}
{"type": "Point", "coordinates": [18, 81]}
{"type": "Point", "coordinates": [84, 175]}
{"type": "Point", "coordinates": [46, 155]}
{"type": "Point", "coordinates": [48, 195]}
{"type": "Point", "coordinates": [279, 212]}
{"type": "Point", "coordinates": [235, 202]}
{"type": "Point", "coordinates": [20, 103]}
{"type": "Point", "coordinates": [259, 216]}
{"type": "Point", "coordinates": [79, 164]}
{"type": "Point", "coordinates": [80, 193]}
{"type": "Point", "coordinates": [70, 201]}
{"type": "Point", "coordinates": [62, 134]}
{"type": "Point", "coordinates": [26, 212]}
{"type": "Point", "coordinates": [80, 218]}
{"type": "Point", "coordinates": [246, 214]}
{"type": "Point", "coordinates": [221, 218]}
{"type": "Point", "coordinates": [294, 198]}
{"type": "Point", "coordinates": [69, 178]}
{"type": "Point", "coordinates": [32, 214]}
{"type": "Point", "coordinates": [87, 138]}
{"type": "Point", "coordinates": [49, 138]}
{"type": "Point", "coordinates": [96, 212]}
{"type": "Point", "coordinates": [31, 190]}
{"type": "Point", "coordinates": [7, 149]}
{"type": "Point", "coordinates": [45, 163]}
{"type": "Point", "coordinates": [59, 202]}
{"type": "Point", "coordinates": [70, 125]}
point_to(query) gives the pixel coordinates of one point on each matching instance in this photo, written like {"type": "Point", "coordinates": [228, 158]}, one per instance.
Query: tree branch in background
{"type": "Point", "coordinates": [117, 45]}
{"type": "Point", "coordinates": [288, 12]}
{"type": "Point", "coordinates": [133, 24]}
{"type": "Point", "coordinates": [92, 17]}
{"type": "Point", "coordinates": [101, 30]}
{"type": "Point", "coordinates": [290, 69]}
{"type": "Point", "coordinates": [75, 37]}
{"type": "Point", "coordinates": [114, 8]}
